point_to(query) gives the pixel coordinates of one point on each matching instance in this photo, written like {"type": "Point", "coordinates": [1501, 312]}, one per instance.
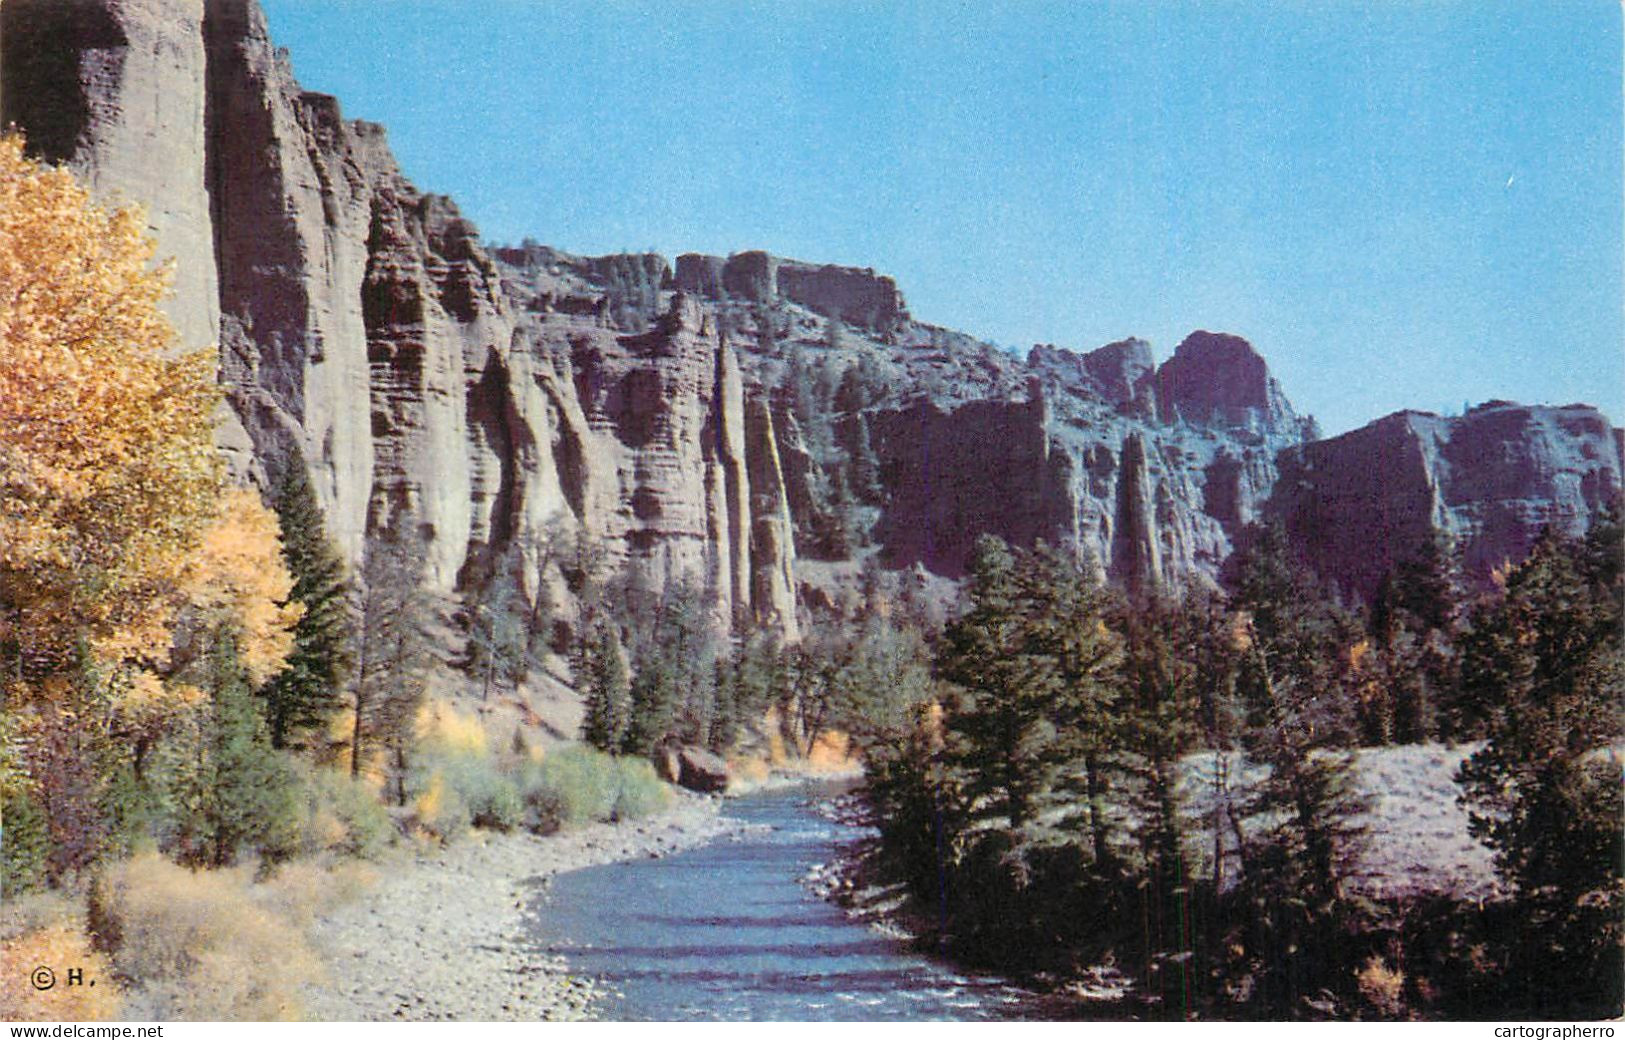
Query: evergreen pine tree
{"type": "Point", "coordinates": [996, 719]}
{"type": "Point", "coordinates": [1067, 613]}
{"type": "Point", "coordinates": [1295, 912]}
{"type": "Point", "coordinates": [391, 655]}
{"type": "Point", "coordinates": [1162, 724]}
{"type": "Point", "coordinates": [230, 792]}
{"type": "Point", "coordinates": [309, 691]}
{"type": "Point", "coordinates": [1544, 792]}
{"type": "Point", "coordinates": [1414, 626]}
{"type": "Point", "coordinates": [609, 702]}
{"type": "Point", "coordinates": [1303, 632]}
{"type": "Point", "coordinates": [654, 696]}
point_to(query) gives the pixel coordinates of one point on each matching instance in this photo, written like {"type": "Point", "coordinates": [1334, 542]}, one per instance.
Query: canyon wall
{"type": "Point", "coordinates": [482, 406]}
{"type": "Point", "coordinates": [1490, 481]}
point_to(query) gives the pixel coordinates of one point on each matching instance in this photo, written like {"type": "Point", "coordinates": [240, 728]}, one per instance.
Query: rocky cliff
{"type": "Point", "coordinates": [712, 422]}
{"type": "Point", "coordinates": [1490, 481]}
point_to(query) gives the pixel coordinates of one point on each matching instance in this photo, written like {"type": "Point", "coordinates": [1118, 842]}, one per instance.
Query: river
{"type": "Point", "coordinates": [728, 932]}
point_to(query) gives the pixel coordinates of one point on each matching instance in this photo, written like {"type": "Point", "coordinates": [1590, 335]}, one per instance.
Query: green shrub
{"type": "Point", "coordinates": [25, 845]}
{"type": "Point", "coordinates": [576, 785]}
{"type": "Point", "coordinates": [641, 792]}
{"type": "Point", "coordinates": [436, 805]}
{"type": "Point", "coordinates": [457, 788]}
{"type": "Point", "coordinates": [497, 805]}
{"type": "Point", "coordinates": [581, 782]}
{"type": "Point", "coordinates": [342, 815]}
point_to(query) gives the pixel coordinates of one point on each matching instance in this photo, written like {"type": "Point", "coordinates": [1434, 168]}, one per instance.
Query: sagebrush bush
{"type": "Point", "coordinates": [577, 784]}
{"type": "Point", "coordinates": [202, 945]}
{"type": "Point", "coordinates": [641, 791]}
{"type": "Point", "coordinates": [498, 806]}
{"type": "Point", "coordinates": [342, 815]}
{"type": "Point", "coordinates": [456, 789]}
{"type": "Point", "coordinates": [436, 806]}
{"type": "Point", "coordinates": [458, 782]}
{"type": "Point", "coordinates": [571, 786]}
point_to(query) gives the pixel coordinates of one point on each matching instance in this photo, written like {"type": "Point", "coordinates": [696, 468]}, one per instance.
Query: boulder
{"type": "Point", "coordinates": [667, 764]}
{"type": "Point", "coordinates": [700, 770]}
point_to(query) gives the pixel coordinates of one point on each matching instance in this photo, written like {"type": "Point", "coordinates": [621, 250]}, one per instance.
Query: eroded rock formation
{"type": "Point", "coordinates": [475, 403]}
{"type": "Point", "coordinates": [1490, 480]}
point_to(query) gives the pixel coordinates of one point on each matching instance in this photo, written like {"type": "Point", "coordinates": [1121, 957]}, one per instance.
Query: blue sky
{"type": "Point", "coordinates": [1401, 203]}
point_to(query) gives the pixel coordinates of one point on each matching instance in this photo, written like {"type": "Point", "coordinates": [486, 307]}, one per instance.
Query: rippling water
{"type": "Point", "coordinates": [727, 932]}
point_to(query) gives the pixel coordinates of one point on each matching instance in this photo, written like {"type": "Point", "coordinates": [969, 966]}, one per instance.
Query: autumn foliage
{"type": "Point", "coordinates": [126, 563]}
{"type": "Point", "coordinates": [108, 472]}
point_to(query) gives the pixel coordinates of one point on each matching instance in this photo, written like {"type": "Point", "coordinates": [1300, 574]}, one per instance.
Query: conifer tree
{"type": "Point", "coordinates": [391, 654]}
{"type": "Point", "coordinates": [1305, 832]}
{"type": "Point", "coordinates": [609, 699]}
{"type": "Point", "coordinates": [996, 719]}
{"type": "Point", "coordinates": [498, 625]}
{"type": "Point", "coordinates": [653, 695]}
{"type": "Point", "coordinates": [1163, 669]}
{"type": "Point", "coordinates": [1413, 626]}
{"type": "Point", "coordinates": [1297, 912]}
{"type": "Point", "coordinates": [1544, 792]}
{"type": "Point", "coordinates": [310, 690]}
{"type": "Point", "coordinates": [230, 791]}
{"type": "Point", "coordinates": [1305, 635]}
{"type": "Point", "coordinates": [1067, 614]}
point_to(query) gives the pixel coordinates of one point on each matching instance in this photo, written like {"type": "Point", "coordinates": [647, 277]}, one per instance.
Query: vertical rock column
{"type": "Point", "coordinates": [1135, 561]}
{"type": "Point", "coordinates": [735, 483]}
{"type": "Point", "coordinates": [772, 533]}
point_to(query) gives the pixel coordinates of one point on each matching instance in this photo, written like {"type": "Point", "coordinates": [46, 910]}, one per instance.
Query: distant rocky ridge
{"type": "Point", "coordinates": [474, 402]}
{"type": "Point", "coordinates": [1490, 480]}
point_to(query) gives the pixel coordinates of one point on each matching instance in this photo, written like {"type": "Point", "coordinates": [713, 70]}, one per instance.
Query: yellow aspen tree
{"type": "Point", "coordinates": [108, 471]}
{"type": "Point", "coordinates": [238, 577]}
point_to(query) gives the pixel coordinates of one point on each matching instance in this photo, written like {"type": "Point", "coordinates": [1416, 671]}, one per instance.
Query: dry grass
{"type": "Point", "coordinates": [210, 945]}
{"type": "Point", "coordinates": [1382, 987]}
{"type": "Point", "coordinates": [57, 946]}
{"type": "Point", "coordinates": [1417, 842]}
{"type": "Point", "coordinates": [833, 752]}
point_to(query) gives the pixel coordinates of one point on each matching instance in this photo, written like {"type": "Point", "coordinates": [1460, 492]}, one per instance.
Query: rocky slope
{"type": "Point", "coordinates": [484, 405]}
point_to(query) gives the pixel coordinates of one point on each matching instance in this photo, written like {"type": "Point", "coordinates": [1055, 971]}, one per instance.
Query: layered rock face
{"type": "Point", "coordinates": [116, 90]}
{"type": "Point", "coordinates": [856, 297]}
{"type": "Point", "coordinates": [1490, 480]}
{"type": "Point", "coordinates": [364, 330]}
{"type": "Point", "coordinates": [478, 405]}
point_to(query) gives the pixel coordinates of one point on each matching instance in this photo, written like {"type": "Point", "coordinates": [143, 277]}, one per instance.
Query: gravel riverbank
{"type": "Point", "coordinates": [441, 934]}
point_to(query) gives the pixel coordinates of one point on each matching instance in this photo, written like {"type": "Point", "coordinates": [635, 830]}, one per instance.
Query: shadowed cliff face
{"type": "Point", "coordinates": [477, 403]}
{"type": "Point", "coordinates": [1490, 480]}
